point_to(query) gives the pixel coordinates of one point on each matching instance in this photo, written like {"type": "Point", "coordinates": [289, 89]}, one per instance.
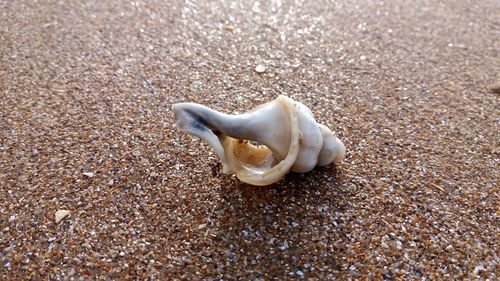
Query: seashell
{"type": "Point", "coordinates": [291, 139]}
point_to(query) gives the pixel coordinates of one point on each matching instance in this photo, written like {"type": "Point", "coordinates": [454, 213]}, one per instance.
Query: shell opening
{"type": "Point", "coordinates": [249, 155]}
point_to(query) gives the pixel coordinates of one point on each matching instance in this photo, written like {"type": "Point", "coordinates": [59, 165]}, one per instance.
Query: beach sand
{"type": "Point", "coordinates": [87, 131]}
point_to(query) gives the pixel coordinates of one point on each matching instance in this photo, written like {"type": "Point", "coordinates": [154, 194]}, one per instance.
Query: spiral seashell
{"type": "Point", "coordinates": [291, 139]}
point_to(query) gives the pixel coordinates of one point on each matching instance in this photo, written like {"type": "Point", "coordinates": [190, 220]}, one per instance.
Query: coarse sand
{"type": "Point", "coordinates": [87, 139]}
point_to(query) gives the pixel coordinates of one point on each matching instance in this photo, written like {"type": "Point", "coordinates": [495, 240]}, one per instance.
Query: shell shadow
{"type": "Point", "coordinates": [282, 223]}
{"type": "Point", "coordinates": [318, 181]}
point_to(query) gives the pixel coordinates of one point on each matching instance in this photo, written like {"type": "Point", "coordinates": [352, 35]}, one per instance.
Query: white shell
{"type": "Point", "coordinates": [292, 140]}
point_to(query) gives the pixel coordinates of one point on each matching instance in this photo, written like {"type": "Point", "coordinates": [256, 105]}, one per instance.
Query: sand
{"type": "Point", "coordinates": [86, 127]}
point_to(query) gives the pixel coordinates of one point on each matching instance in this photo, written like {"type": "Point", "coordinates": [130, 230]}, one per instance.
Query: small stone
{"type": "Point", "coordinates": [61, 214]}
{"type": "Point", "coordinates": [300, 273]}
{"type": "Point", "coordinates": [51, 239]}
{"type": "Point", "coordinates": [12, 218]}
{"type": "Point", "coordinates": [260, 68]}
{"type": "Point", "coordinates": [136, 153]}
{"type": "Point", "coordinates": [294, 224]}
{"type": "Point", "coordinates": [88, 174]}
{"type": "Point", "coordinates": [111, 182]}
{"type": "Point", "coordinates": [362, 57]}
{"type": "Point", "coordinates": [122, 254]}
{"type": "Point", "coordinates": [284, 246]}
{"type": "Point", "coordinates": [202, 226]}
{"type": "Point", "coordinates": [495, 86]}
{"type": "Point", "coordinates": [229, 27]}
{"type": "Point", "coordinates": [384, 245]}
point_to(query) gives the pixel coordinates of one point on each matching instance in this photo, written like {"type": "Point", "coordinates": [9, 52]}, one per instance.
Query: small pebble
{"type": "Point", "coordinates": [495, 86]}
{"type": "Point", "coordinates": [229, 27]}
{"type": "Point", "coordinates": [284, 246]}
{"type": "Point", "coordinates": [260, 68]}
{"type": "Point", "coordinates": [88, 174]}
{"type": "Point", "coordinates": [61, 214]}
